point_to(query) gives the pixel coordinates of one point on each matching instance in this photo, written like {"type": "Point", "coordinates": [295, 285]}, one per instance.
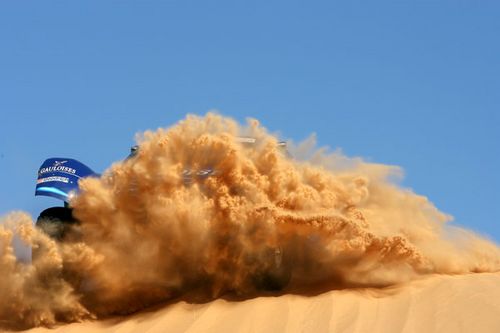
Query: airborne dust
{"type": "Point", "coordinates": [148, 237]}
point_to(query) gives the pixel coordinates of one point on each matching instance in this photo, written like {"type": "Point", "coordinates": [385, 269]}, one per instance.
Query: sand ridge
{"type": "Point", "coordinates": [437, 303]}
{"type": "Point", "coordinates": [264, 219]}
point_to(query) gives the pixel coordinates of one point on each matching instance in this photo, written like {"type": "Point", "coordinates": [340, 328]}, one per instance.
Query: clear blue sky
{"type": "Point", "coordinates": [411, 83]}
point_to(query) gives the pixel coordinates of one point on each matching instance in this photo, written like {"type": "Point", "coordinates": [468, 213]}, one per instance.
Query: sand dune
{"type": "Point", "coordinates": [155, 227]}
{"type": "Point", "coordinates": [461, 303]}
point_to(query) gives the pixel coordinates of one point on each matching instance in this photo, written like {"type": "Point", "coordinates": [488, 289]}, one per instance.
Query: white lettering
{"type": "Point", "coordinates": [59, 168]}
{"type": "Point", "coordinates": [53, 179]}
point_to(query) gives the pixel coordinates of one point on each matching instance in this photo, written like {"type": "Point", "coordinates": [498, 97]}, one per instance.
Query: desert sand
{"type": "Point", "coordinates": [260, 221]}
{"type": "Point", "coordinates": [438, 303]}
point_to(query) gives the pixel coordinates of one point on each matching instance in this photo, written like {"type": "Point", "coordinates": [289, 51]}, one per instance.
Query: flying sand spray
{"type": "Point", "coordinates": [146, 237]}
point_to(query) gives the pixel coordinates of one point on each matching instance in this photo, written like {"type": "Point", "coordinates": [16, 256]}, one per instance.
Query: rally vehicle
{"type": "Point", "coordinates": [59, 178]}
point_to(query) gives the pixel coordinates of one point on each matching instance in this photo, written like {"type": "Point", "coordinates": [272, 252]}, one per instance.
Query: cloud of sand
{"type": "Point", "coordinates": [147, 237]}
{"type": "Point", "coordinates": [33, 295]}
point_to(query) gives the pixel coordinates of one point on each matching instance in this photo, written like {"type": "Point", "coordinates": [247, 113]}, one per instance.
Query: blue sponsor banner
{"type": "Point", "coordinates": [58, 177]}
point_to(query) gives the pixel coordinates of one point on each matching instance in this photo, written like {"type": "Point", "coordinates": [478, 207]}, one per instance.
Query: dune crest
{"type": "Point", "coordinates": [435, 304]}
{"type": "Point", "coordinates": [149, 235]}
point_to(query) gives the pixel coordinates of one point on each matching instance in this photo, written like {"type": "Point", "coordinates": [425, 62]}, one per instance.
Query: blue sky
{"type": "Point", "coordinates": [410, 83]}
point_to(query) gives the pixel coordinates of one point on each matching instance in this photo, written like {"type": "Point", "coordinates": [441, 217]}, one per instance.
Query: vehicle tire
{"type": "Point", "coordinates": [278, 276]}
{"type": "Point", "coordinates": [274, 280]}
{"type": "Point", "coordinates": [56, 222]}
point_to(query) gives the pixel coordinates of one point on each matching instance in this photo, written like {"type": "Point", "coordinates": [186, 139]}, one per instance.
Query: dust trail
{"type": "Point", "coordinates": [263, 220]}
{"type": "Point", "coordinates": [33, 295]}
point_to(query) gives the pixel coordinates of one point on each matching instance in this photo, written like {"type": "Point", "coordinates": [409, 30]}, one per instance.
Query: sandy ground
{"type": "Point", "coordinates": [462, 303]}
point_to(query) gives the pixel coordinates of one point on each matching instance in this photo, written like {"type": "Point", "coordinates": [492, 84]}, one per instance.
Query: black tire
{"type": "Point", "coordinates": [278, 276]}
{"type": "Point", "coordinates": [275, 280]}
{"type": "Point", "coordinates": [56, 222]}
